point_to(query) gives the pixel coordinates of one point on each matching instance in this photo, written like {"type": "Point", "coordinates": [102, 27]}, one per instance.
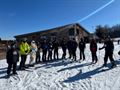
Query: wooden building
{"type": "Point", "coordinates": [68, 31]}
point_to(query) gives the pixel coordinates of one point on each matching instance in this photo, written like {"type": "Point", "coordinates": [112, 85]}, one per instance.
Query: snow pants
{"type": "Point", "coordinates": [10, 65]}
{"type": "Point", "coordinates": [94, 57]}
{"type": "Point", "coordinates": [32, 58]}
{"type": "Point", "coordinates": [23, 60]}
{"type": "Point", "coordinates": [82, 55]}
{"type": "Point", "coordinates": [110, 56]}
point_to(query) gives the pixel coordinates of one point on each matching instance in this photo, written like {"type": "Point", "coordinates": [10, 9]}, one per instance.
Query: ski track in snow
{"type": "Point", "coordinates": [65, 75]}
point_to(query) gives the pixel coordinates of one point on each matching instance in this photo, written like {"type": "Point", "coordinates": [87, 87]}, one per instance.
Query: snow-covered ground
{"type": "Point", "coordinates": [116, 39]}
{"type": "Point", "coordinates": [64, 75]}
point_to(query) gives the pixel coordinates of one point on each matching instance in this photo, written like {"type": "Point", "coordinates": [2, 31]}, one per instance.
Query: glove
{"type": "Point", "coordinates": [30, 50]}
{"type": "Point", "coordinates": [26, 51]}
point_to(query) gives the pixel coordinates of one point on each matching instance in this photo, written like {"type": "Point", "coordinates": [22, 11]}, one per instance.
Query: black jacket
{"type": "Point", "coordinates": [64, 46]}
{"type": "Point", "coordinates": [109, 46]}
{"type": "Point", "coordinates": [12, 55]}
{"type": "Point", "coordinates": [55, 45]}
{"type": "Point", "coordinates": [74, 45]}
{"type": "Point", "coordinates": [81, 45]}
{"type": "Point", "coordinates": [69, 45]}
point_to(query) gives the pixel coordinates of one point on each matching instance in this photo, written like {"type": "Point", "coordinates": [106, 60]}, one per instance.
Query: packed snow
{"type": "Point", "coordinates": [65, 74]}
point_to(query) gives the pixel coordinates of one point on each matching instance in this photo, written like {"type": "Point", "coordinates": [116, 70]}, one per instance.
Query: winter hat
{"type": "Point", "coordinates": [24, 39]}
{"type": "Point", "coordinates": [33, 41]}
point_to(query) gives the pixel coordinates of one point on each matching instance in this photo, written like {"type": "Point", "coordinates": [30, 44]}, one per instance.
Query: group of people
{"type": "Point", "coordinates": [50, 52]}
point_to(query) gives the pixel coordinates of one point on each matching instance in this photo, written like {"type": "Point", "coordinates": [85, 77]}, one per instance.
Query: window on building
{"type": "Point", "coordinates": [43, 37]}
{"type": "Point", "coordinates": [71, 32]}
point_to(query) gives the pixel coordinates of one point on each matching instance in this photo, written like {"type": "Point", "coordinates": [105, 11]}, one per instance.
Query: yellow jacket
{"type": "Point", "coordinates": [24, 48]}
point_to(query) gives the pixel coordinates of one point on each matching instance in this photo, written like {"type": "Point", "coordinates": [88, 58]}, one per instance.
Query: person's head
{"type": "Point", "coordinates": [32, 42]}
{"type": "Point", "coordinates": [14, 44]}
{"type": "Point", "coordinates": [107, 38]}
{"type": "Point", "coordinates": [93, 40]}
{"type": "Point", "coordinates": [24, 40]}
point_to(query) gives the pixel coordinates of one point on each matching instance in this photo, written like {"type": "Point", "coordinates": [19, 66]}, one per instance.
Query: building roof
{"type": "Point", "coordinates": [65, 26]}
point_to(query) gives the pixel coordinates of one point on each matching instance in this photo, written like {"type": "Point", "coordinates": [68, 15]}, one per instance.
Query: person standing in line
{"type": "Point", "coordinates": [33, 51]}
{"type": "Point", "coordinates": [82, 49]}
{"type": "Point", "coordinates": [64, 47]}
{"type": "Point", "coordinates": [109, 48]}
{"type": "Point", "coordinates": [12, 57]}
{"type": "Point", "coordinates": [50, 49]}
{"type": "Point", "coordinates": [93, 49]}
{"type": "Point", "coordinates": [24, 51]}
{"type": "Point", "coordinates": [38, 54]}
{"type": "Point", "coordinates": [74, 48]}
{"type": "Point", "coordinates": [44, 47]}
{"type": "Point", "coordinates": [56, 46]}
{"type": "Point", "coordinates": [69, 47]}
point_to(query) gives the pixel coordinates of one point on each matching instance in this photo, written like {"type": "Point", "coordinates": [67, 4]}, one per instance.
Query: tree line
{"type": "Point", "coordinates": [103, 31]}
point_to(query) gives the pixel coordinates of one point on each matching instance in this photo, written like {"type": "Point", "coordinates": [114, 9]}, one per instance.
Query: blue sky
{"type": "Point", "coordinates": [25, 16]}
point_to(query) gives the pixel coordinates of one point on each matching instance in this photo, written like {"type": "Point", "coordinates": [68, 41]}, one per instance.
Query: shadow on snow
{"type": "Point", "coordinates": [89, 74]}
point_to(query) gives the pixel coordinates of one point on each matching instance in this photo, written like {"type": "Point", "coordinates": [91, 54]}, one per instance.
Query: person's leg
{"type": "Point", "coordinates": [24, 61]}
{"type": "Point", "coordinates": [57, 54]}
{"type": "Point", "coordinates": [96, 59]}
{"type": "Point", "coordinates": [37, 58]}
{"type": "Point", "coordinates": [80, 55]}
{"type": "Point", "coordinates": [54, 54]}
{"type": "Point", "coordinates": [14, 68]}
{"type": "Point", "coordinates": [50, 55]}
{"type": "Point", "coordinates": [45, 55]}
{"type": "Point", "coordinates": [32, 59]}
{"type": "Point", "coordinates": [69, 54]}
{"type": "Point", "coordinates": [75, 54]}
{"type": "Point", "coordinates": [9, 68]}
{"type": "Point", "coordinates": [105, 59]}
{"type": "Point", "coordinates": [111, 59]}
{"type": "Point", "coordinates": [83, 55]}
{"type": "Point", "coordinates": [92, 56]}
{"type": "Point", "coordinates": [72, 54]}
{"type": "Point", "coordinates": [64, 54]}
